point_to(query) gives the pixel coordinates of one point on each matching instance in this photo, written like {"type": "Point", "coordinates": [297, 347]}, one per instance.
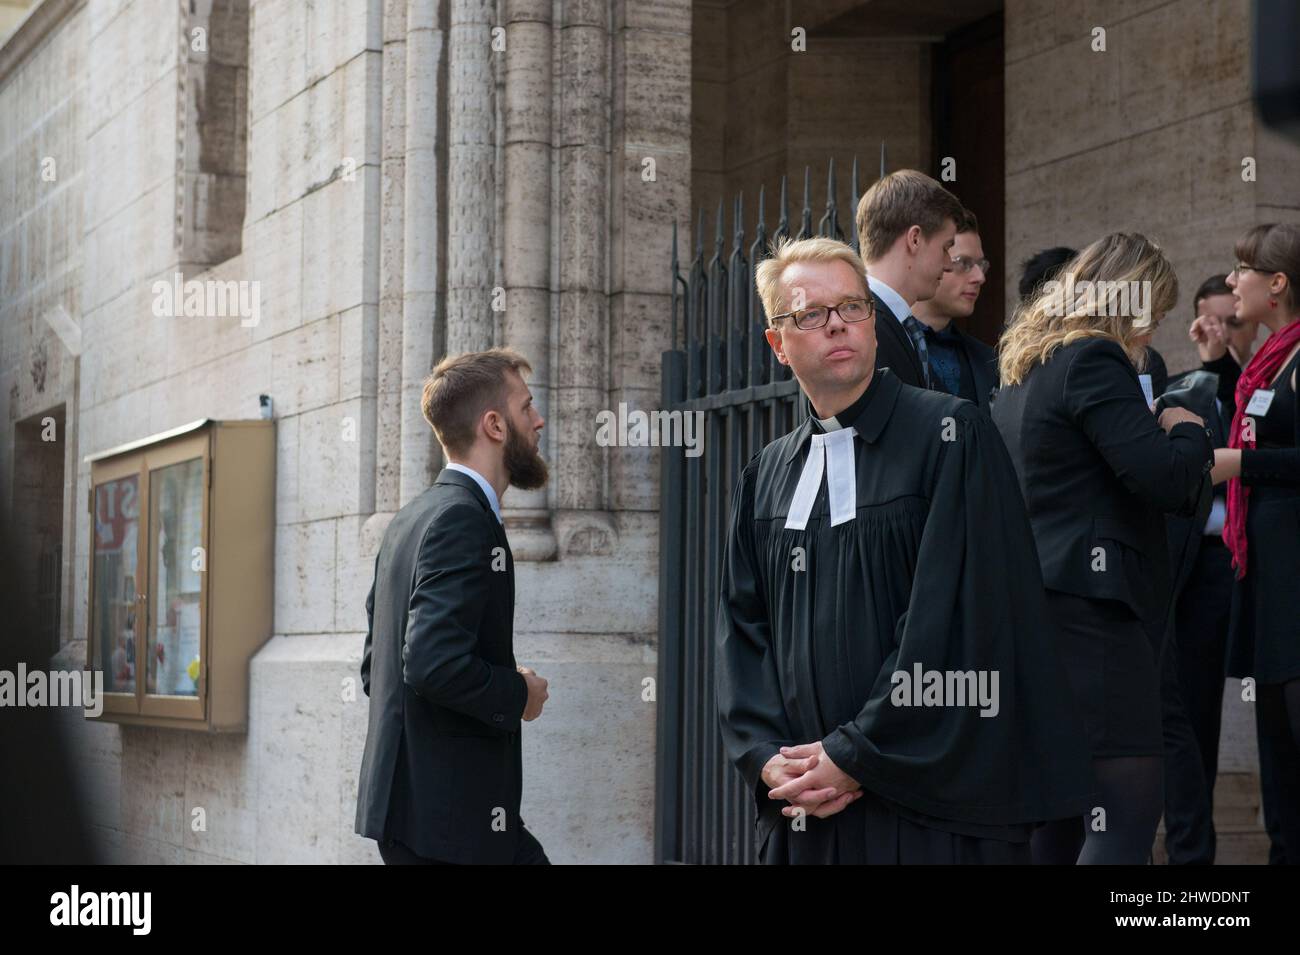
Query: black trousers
{"type": "Point", "coordinates": [1277, 724]}
{"type": "Point", "coordinates": [1191, 687]}
{"type": "Point", "coordinates": [529, 852]}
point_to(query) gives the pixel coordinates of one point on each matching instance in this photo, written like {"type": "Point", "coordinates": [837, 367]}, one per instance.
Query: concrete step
{"type": "Point", "coordinates": [1238, 823]}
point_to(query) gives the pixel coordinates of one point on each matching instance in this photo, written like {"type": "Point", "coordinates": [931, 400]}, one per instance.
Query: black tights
{"type": "Point", "coordinates": [1277, 721]}
{"type": "Point", "coordinates": [1131, 791]}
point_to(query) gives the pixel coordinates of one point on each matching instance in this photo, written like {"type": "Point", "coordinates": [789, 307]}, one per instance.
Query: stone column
{"type": "Point", "coordinates": [388, 404]}
{"type": "Point", "coordinates": [582, 525]}
{"type": "Point", "coordinates": [526, 253]}
{"type": "Point", "coordinates": [651, 168]}
{"type": "Point", "coordinates": [471, 209]}
{"type": "Point", "coordinates": [421, 328]}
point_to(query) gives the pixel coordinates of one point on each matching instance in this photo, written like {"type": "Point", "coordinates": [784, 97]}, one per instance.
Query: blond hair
{"type": "Point", "coordinates": [461, 388]}
{"type": "Point", "coordinates": [786, 252]}
{"type": "Point", "coordinates": [1078, 302]}
{"type": "Point", "coordinates": [899, 201]}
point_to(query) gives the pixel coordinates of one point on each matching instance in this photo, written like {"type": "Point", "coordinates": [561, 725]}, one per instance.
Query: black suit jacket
{"type": "Point", "coordinates": [894, 350]}
{"type": "Point", "coordinates": [442, 770]}
{"type": "Point", "coordinates": [1097, 471]}
{"type": "Point", "coordinates": [1229, 372]}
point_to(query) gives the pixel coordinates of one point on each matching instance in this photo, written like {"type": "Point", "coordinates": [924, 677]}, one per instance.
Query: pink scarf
{"type": "Point", "coordinates": [1258, 373]}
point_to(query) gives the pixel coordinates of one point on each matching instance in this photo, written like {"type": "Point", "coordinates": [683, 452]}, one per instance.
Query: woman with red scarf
{"type": "Point", "coordinates": [1262, 467]}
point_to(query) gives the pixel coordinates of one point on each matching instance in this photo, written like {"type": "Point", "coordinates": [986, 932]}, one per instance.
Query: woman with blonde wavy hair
{"type": "Point", "coordinates": [1099, 470]}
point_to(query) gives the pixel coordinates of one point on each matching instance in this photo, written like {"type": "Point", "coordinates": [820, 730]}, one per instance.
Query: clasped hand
{"type": "Point", "coordinates": [810, 781]}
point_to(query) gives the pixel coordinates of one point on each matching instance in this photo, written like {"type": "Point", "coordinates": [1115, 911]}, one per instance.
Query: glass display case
{"type": "Point", "coordinates": [181, 569]}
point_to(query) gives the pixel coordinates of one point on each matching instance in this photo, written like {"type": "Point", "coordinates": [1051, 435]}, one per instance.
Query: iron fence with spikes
{"type": "Point", "coordinates": [722, 369]}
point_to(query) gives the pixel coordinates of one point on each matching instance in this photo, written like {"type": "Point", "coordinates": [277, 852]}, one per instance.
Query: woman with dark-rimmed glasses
{"type": "Point", "coordinates": [1262, 468]}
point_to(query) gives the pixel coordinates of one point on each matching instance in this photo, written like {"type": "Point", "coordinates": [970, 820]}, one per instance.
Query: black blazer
{"type": "Point", "coordinates": [894, 350]}
{"type": "Point", "coordinates": [442, 757]}
{"type": "Point", "coordinates": [1097, 471]}
{"type": "Point", "coordinates": [1229, 373]}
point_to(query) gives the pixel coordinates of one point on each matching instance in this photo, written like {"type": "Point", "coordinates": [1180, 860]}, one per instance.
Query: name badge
{"type": "Point", "coordinates": [1260, 401]}
{"type": "Point", "coordinates": [1147, 391]}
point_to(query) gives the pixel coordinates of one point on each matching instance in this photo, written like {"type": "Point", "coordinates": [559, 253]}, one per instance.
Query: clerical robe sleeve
{"type": "Point", "coordinates": [751, 712]}
{"type": "Point", "coordinates": [977, 611]}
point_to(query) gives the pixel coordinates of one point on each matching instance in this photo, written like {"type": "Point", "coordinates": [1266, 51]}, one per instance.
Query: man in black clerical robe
{"type": "Point", "coordinates": [884, 651]}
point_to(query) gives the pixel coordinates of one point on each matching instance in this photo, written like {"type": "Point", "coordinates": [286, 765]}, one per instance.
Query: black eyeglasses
{"type": "Point", "coordinates": [964, 263]}
{"type": "Point", "coordinates": [851, 310]}
{"type": "Point", "coordinates": [1242, 267]}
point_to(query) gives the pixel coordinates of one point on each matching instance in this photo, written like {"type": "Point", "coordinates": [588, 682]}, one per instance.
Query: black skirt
{"type": "Point", "coordinates": [1111, 667]}
{"type": "Point", "coordinates": [1264, 636]}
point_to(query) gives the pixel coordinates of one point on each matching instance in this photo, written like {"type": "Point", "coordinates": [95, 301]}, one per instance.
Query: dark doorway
{"type": "Point", "coordinates": [968, 126]}
{"type": "Point", "coordinates": [38, 531]}
{"type": "Point", "coordinates": [922, 78]}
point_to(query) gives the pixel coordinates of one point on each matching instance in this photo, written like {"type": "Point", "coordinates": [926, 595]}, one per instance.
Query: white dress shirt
{"type": "Point", "coordinates": [482, 482]}
{"type": "Point", "coordinates": [896, 303]}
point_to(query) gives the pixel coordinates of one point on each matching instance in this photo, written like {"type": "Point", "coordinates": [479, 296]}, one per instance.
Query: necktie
{"type": "Point", "coordinates": [916, 332]}
{"type": "Point", "coordinates": [833, 454]}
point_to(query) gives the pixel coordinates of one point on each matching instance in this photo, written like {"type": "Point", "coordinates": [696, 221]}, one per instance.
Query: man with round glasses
{"type": "Point", "coordinates": [881, 545]}
{"type": "Point", "coordinates": [959, 364]}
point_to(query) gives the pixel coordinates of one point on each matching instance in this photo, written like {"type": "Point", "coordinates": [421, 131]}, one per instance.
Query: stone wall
{"type": "Point", "coordinates": [369, 210]}
{"type": "Point", "coordinates": [43, 130]}
{"type": "Point", "coordinates": [1147, 136]}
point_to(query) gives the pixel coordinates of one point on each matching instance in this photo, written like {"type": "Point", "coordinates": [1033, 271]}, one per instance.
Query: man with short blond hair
{"type": "Point", "coordinates": [881, 543]}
